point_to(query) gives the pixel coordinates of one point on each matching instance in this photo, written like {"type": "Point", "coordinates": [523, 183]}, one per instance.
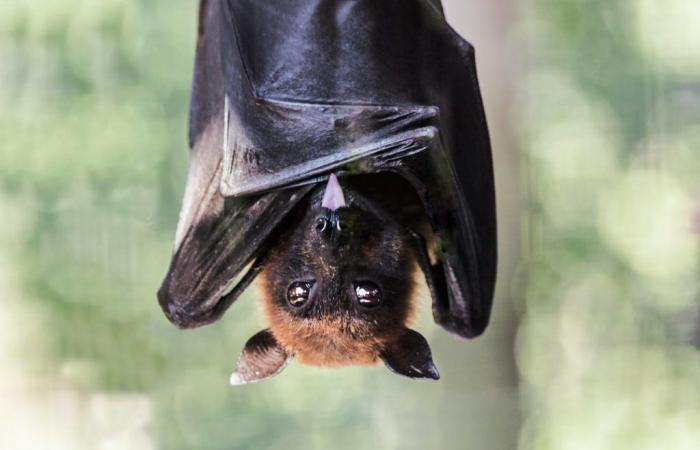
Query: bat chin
{"type": "Point", "coordinates": [329, 341]}
{"type": "Point", "coordinates": [335, 358]}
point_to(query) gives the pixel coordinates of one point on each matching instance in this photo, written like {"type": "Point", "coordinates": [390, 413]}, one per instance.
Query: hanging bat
{"type": "Point", "coordinates": [338, 148]}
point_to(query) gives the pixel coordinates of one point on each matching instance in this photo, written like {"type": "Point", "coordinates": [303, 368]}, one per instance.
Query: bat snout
{"type": "Point", "coordinates": [331, 228]}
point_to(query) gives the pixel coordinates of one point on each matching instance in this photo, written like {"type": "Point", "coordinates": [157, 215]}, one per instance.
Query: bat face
{"type": "Point", "coordinates": [338, 289]}
{"type": "Point", "coordinates": [339, 286]}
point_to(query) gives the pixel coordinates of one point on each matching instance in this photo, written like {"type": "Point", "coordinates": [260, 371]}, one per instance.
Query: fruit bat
{"type": "Point", "coordinates": [338, 147]}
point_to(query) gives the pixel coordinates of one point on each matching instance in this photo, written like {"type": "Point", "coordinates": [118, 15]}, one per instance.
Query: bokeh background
{"type": "Point", "coordinates": [594, 109]}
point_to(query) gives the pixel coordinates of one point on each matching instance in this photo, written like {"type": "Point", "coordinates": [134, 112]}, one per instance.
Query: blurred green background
{"type": "Point", "coordinates": [594, 107]}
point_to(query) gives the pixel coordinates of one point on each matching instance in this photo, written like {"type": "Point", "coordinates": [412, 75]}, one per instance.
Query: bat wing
{"type": "Point", "coordinates": [219, 242]}
{"type": "Point", "coordinates": [285, 92]}
{"type": "Point", "coordinates": [366, 86]}
{"type": "Point", "coordinates": [470, 265]}
{"type": "Point", "coordinates": [300, 100]}
{"type": "Point", "coordinates": [456, 181]}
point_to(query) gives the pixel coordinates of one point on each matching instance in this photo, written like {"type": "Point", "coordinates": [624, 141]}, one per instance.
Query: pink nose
{"type": "Point", "coordinates": [333, 198]}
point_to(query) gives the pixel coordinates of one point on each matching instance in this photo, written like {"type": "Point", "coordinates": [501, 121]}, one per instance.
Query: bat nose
{"type": "Point", "coordinates": [330, 227]}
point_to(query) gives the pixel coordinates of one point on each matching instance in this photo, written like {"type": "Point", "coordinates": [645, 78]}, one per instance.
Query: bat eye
{"type": "Point", "coordinates": [368, 294]}
{"type": "Point", "coordinates": [298, 293]}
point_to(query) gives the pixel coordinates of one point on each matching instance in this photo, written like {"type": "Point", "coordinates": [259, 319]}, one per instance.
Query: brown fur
{"type": "Point", "coordinates": [333, 340]}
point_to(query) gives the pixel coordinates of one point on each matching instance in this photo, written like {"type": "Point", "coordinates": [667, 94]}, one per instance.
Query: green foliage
{"type": "Point", "coordinates": [613, 283]}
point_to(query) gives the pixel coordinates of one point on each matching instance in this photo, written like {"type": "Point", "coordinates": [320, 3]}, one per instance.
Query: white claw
{"type": "Point", "coordinates": [237, 379]}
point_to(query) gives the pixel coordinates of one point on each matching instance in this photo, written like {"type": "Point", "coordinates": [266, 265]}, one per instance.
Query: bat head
{"type": "Point", "coordinates": [338, 289]}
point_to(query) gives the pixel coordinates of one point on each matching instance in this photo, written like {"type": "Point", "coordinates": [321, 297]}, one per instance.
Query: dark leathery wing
{"type": "Point", "coordinates": [286, 92]}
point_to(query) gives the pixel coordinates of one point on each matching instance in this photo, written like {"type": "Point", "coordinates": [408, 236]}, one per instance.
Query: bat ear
{"type": "Point", "coordinates": [262, 357]}
{"type": "Point", "coordinates": [410, 356]}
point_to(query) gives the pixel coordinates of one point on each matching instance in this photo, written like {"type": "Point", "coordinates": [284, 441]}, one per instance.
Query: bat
{"type": "Point", "coordinates": [338, 148]}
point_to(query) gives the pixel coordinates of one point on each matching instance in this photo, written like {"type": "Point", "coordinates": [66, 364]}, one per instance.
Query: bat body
{"type": "Point", "coordinates": [338, 148]}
